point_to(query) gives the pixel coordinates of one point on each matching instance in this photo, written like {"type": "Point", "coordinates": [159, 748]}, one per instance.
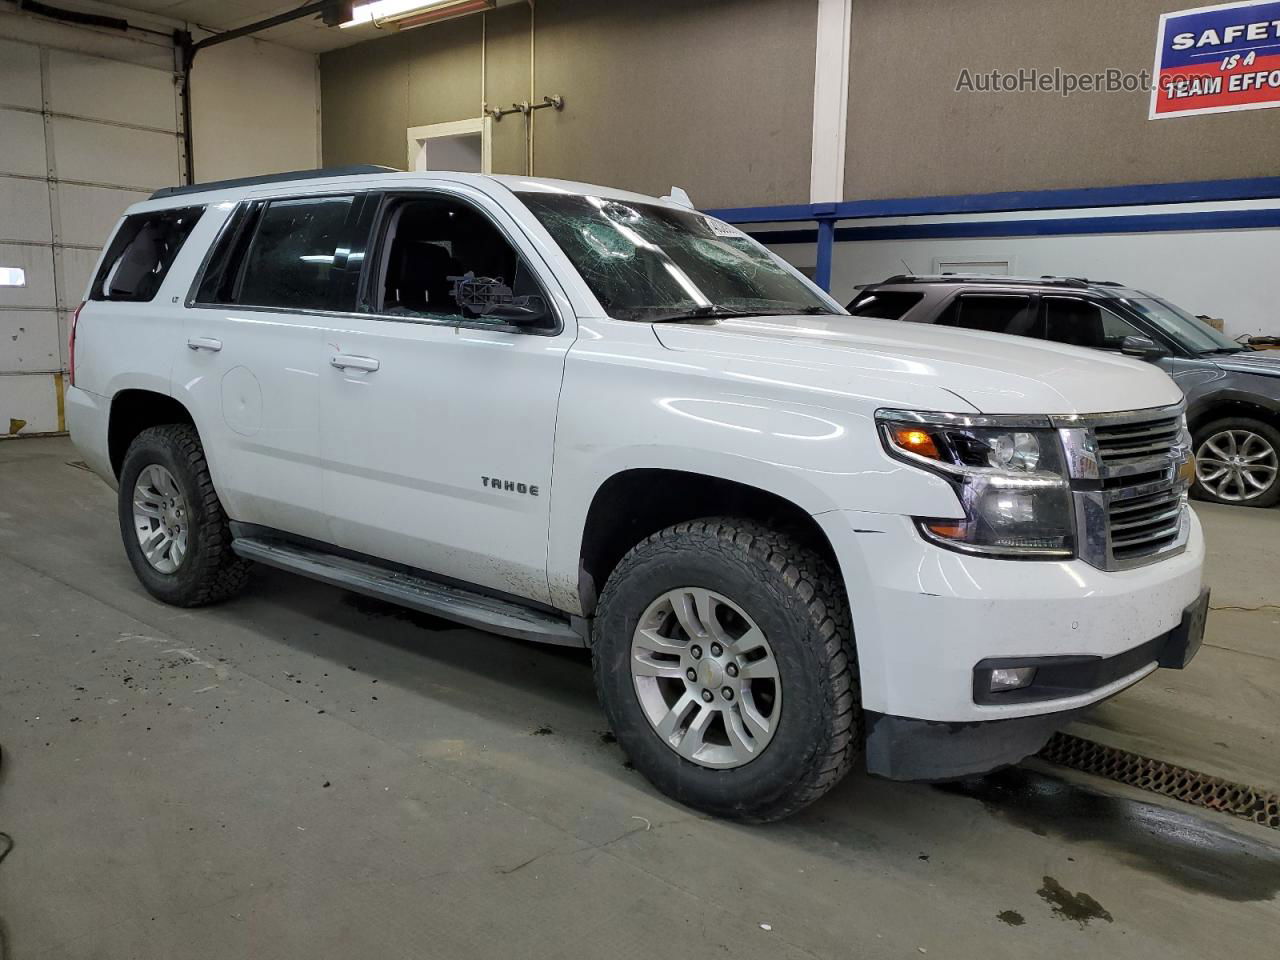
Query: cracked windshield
{"type": "Point", "coordinates": [652, 263]}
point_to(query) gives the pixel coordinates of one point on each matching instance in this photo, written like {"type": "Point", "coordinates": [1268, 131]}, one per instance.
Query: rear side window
{"type": "Point", "coordinates": [141, 253]}
{"type": "Point", "coordinates": [885, 304]}
{"type": "Point", "coordinates": [303, 253]}
{"type": "Point", "coordinates": [994, 314]}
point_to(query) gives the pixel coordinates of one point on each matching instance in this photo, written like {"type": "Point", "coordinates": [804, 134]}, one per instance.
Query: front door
{"type": "Point", "coordinates": [437, 424]}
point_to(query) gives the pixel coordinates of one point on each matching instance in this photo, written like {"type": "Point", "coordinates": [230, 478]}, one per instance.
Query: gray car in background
{"type": "Point", "coordinates": [1233, 391]}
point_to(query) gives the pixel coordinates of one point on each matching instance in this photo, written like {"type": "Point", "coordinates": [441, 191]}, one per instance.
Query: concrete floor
{"type": "Point", "coordinates": [302, 773]}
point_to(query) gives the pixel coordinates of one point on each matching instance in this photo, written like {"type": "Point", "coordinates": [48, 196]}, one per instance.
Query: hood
{"type": "Point", "coordinates": [1265, 363]}
{"type": "Point", "coordinates": [994, 373]}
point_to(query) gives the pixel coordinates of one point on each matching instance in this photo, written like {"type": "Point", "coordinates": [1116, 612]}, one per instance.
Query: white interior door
{"type": "Point", "coordinates": [462, 146]}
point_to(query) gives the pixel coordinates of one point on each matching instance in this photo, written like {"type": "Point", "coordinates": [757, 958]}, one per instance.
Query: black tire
{"type": "Point", "coordinates": [798, 600]}
{"type": "Point", "coordinates": [210, 572]}
{"type": "Point", "coordinates": [1268, 499]}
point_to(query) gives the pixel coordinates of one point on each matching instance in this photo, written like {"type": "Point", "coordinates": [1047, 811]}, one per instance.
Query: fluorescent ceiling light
{"type": "Point", "coordinates": [13, 277]}
{"type": "Point", "coordinates": [380, 10]}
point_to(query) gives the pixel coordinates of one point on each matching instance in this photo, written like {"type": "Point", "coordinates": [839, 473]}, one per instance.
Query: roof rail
{"type": "Point", "coordinates": [1077, 283]}
{"type": "Point", "coordinates": [350, 170]}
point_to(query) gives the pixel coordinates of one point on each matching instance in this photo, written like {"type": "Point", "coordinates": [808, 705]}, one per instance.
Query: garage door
{"type": "Point", "coordinates": [81, 138]}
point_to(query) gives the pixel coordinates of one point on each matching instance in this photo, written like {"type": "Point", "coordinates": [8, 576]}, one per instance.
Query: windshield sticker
{"type": "Point", "coordinates": [722, 229]}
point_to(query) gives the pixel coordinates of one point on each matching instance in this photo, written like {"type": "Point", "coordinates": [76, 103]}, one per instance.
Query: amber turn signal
{"type": "Point", "coordinates": [950, 529]}
{"type": "Point", "coordinates": [914, 440]}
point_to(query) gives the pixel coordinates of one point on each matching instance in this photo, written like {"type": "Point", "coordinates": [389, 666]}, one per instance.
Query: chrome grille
{"type": "Point", "coordinates": [1128, 443]}
{"type": "Point", "coordinates": [1128, 485]}
{"type": "Point", "coordinates": [1143, 525]}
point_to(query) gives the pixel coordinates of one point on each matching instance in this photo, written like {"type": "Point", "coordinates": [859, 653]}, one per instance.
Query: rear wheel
{"type": "Point", "coordinates": [724, 659]}
{"type": "Point", "coordinates": [1238, 462]}
{"type": "Point", "coordinates": [175, 532]}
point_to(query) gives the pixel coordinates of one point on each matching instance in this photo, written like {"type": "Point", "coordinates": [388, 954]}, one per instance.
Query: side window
{"type": "Point", "coordinates": [1085, 324]}
{"type": "Point", "coordinates": [991, 312]}
{"type": "Point", "coordinates": [302, 253]}
{"type": "Point", "coordinates": [141, 253]}
{"type": "Point", "coordinates": [884, 304]}
{"type": "Point", "coordinates": [442, 259]}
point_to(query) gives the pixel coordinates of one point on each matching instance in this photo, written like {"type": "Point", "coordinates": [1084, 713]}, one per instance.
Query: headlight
{"type": "Point", "coordinates": [1009, 474]}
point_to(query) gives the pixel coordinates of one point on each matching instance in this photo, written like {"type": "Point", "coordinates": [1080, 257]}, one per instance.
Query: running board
{"type": "Point", "coordinates": [418, 593]}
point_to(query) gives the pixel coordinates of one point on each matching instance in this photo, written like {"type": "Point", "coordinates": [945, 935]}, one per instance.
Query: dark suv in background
{"type": "Point", "coordinates": [1233, 391]}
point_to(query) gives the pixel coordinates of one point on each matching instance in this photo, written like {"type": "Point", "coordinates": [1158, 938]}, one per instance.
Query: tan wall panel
{"type": "Point", "coordinates": [506, 83]}
{"type": "Point", "coordinates": [29, 341]}
{"type": "Point", "coordinates": [911, 134]}
{"type": "Point", "coordinates": [30, 399]}
{"type": "Point", "coordinates": [74, 268]}
{"type": "Point", "coordinates": [22, 143]}
{"type": "Point", "coordinates": [86, 86]}
{"type": "Point", "coordinates": [255, 110]}
{"type": "Point", "coordinates": [100, 153]}
{"type": "Point", "coordinates": [714, 96]}
{"type": "Point", "coordinates": [364, 93]}
{"type": "Point", "coordinates": [19, 73]}
{"type": "Point", "coordinates": [443, 75]}
{"type": "Point", "coordinates": [24, 209]}
{"type": "Point", "coordinates": [90, 213]}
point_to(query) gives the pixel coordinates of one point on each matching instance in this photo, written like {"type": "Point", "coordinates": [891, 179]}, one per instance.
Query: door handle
{"type": "Point", "coordinates": [345, 362]}
{"type": "Point", "coordinates": [204, 343]}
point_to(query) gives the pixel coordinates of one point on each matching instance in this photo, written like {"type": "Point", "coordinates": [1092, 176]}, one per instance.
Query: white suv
{"type": "Point", "coordinates": [571, 414]}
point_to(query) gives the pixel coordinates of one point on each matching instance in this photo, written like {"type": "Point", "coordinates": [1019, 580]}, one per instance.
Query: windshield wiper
{"type": "Point", "coordinates": [704, 312]}
{"type": "Point", "coordinates": [716, 312]}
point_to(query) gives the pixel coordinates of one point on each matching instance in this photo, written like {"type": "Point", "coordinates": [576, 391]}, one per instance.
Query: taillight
{"type": "Point", "coordinates": [71, 347]}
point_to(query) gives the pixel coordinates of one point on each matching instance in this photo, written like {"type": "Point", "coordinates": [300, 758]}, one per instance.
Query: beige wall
{"type": "Point", "coordinates": [255, 109]}
{"type": "Point", "coordinates": [911, 134]}
{"type": "Point", "coordinates": [715, 96]}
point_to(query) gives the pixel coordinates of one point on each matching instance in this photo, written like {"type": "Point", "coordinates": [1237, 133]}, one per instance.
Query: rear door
{"type": "Point", "coordinates": [439, 424]}
{"type": "Point", "coordinates": [253, 361]}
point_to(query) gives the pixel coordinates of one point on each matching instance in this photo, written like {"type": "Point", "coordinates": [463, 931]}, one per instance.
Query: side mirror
{"type": "Point", "coordinates": [531, 313]}
{"type": "Point", "coordinates": [1143, 348]}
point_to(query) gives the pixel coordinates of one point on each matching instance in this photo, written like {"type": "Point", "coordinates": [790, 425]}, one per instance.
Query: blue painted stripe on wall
{"type": "Point", "coordinates": [1199, 191]}
{"type": "Point", "coordinates": [1152, 223]}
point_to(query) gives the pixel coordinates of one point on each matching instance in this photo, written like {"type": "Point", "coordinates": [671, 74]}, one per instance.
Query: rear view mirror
{"type": "Point", "coordinates": [1143, 348]}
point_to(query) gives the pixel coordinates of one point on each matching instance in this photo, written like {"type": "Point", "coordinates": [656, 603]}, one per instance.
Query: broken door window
{"type": "Point", "coordinates": [442, 259]}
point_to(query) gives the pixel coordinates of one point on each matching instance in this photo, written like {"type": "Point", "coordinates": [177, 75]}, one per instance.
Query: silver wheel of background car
{"type": "Point", "coordinates": [160, 518]}
{"type": "Point", "coordinates": [1237, 465]}
{"type": "Point", "coordinates": [706, 678]}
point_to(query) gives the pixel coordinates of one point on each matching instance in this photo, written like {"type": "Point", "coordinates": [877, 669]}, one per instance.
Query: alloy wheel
{"type": "Point", "coordinates": [160, 518]}
{"type": "Point", "coordinates": [706, 678]}
{"type": "Point", "coordinates": [1237, 465]}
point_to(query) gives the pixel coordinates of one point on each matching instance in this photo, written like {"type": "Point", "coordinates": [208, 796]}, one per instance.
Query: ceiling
{"type": "Point", "coordinates": [309, 33]}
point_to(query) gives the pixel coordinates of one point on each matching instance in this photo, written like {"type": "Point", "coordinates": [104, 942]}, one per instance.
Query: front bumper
{"type": "Point", "coordinates": [924, 618]}
{"type": "Point", "coordinates": [903, 748]}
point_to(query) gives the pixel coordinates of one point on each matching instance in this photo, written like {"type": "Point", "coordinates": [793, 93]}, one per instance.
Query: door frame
{"type": "Point", "coordinates": [417, 138]}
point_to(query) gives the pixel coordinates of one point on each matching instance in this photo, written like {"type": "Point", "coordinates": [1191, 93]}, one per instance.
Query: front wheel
{"type": "Point", "coordinates": [724, 659]}
{"type": "Point", "coordinates": [1238, 462]}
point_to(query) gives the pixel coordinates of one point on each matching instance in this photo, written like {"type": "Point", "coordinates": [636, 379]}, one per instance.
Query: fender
{"type": "Point", "coordinates": [629, 403]}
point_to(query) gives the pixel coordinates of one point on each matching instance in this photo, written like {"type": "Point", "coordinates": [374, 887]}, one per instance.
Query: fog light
{"type": "Point", "coordinates": [1011, 678]}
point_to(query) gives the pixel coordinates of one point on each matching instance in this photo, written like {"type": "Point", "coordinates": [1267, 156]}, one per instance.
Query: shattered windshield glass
{"type": "Point", "coordinates": [652, 263]}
